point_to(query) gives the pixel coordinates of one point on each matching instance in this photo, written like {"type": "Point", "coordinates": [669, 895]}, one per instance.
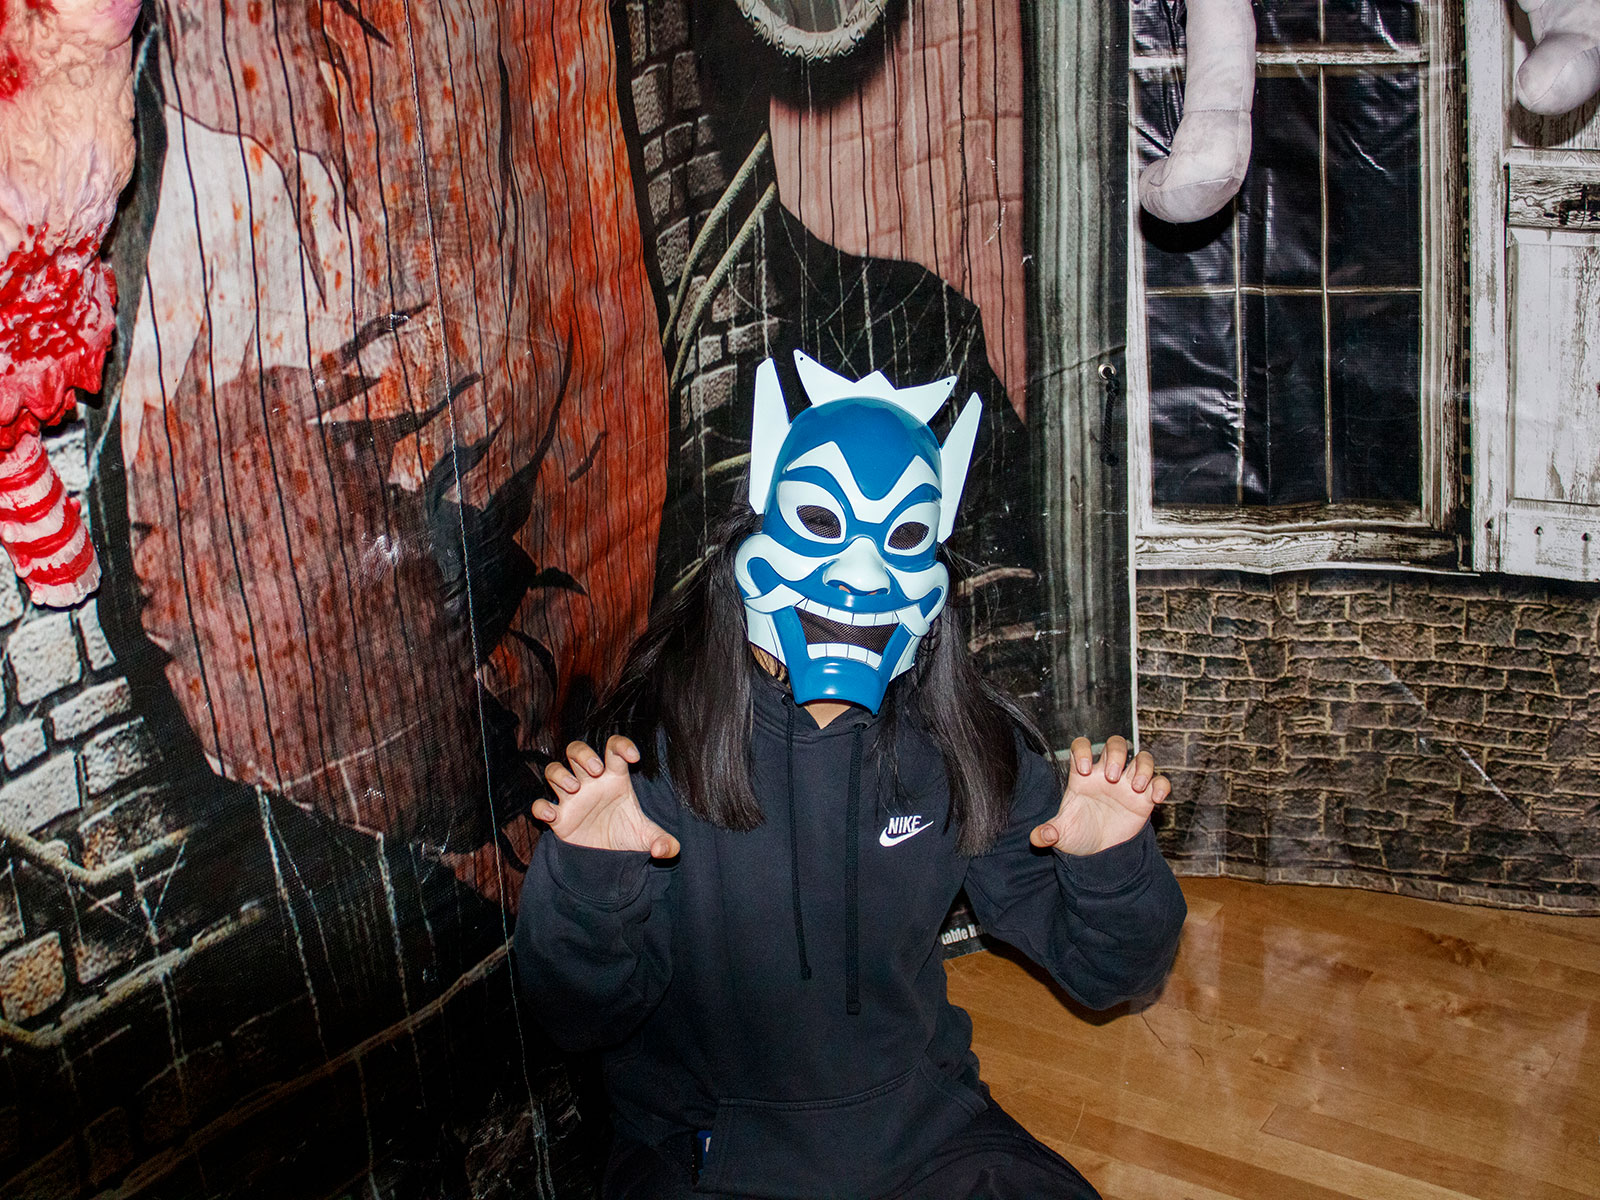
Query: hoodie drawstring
{"type": "Point", "coordinates": [794, 849]}
{"type": "Point", "coordinates": [852, 868]}
{"type": "Point", "coordinates": [852, 847]}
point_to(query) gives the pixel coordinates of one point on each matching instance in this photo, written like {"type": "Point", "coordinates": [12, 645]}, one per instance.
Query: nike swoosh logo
{"type": "Point", "coordinates": [884, 839]}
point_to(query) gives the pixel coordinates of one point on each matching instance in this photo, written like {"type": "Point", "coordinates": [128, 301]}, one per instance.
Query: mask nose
{"type": "Point", "coordinates": [859, 569]}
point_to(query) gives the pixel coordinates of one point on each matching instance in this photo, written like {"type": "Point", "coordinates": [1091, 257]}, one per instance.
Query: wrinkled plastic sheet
{"type": "Point", "coordinates": [1158, 25]}
{"type": "Point", "coordinates": [1284, 334]}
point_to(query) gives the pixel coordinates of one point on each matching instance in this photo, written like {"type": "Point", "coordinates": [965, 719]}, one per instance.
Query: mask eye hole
{"type": "Point", "coordinates": [811, 512]}
{"type": "Point", "coordinates": [818, 521]}
{"type": "Point", "coordinates": [907, 535]}
{"type": "Point", "coordinates": [912, 531]}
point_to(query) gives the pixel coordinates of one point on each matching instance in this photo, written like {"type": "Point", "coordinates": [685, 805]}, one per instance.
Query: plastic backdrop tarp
{"type": "Point", "coordinates": [437, 332]}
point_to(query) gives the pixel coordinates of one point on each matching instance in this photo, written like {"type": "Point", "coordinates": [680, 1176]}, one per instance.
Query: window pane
{"type": "Point", "coordinates": [1325, 405]}
{"type": "Point", "coordinates": [1280, 204]}
{"type": "Point", "coordinates": [1374, 395]}
{"type": "Point", "coordinates": [1374, 178]}
{"type": "Point", "coordinates": [1284, 415]}
{"type": "Point", "coordinates": [1283, 22]}
{"type": "Point", "coordinates": [1158, 25]}
{"type": "Point", "coordinates": [1194, 400]}
{"type": "Point", "coordinates": [1372, 22]}
{"type": "Point", "coordinates": [1177, 255]}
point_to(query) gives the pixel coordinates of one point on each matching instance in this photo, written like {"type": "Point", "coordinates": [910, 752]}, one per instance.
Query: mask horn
{"type": "Point", "coordinates": [955, 456]}
{"type": "Point", "coordinates": [769, 425]}
{"type": "Point", "coordinates": [824, 386]}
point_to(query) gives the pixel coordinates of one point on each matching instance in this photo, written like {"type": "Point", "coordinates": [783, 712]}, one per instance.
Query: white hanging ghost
{"type": "Point", "coordinates": [1563, 71]}
{"type": "Point", "coordinates": [1211, 148]}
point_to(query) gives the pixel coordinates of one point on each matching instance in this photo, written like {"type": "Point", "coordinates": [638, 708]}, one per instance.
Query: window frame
{"type": "Point", "coordinates": [1289, 537]}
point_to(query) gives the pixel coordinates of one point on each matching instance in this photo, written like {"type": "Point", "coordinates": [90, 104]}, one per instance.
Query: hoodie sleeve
{"type": "Point", "coordinates": [1104, 925]}
{"type": "Point", "coordinates": [592, 947]}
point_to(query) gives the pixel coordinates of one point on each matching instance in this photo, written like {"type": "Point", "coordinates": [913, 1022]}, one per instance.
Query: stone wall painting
{"type": "Point", "coordinates": [1430, 736]}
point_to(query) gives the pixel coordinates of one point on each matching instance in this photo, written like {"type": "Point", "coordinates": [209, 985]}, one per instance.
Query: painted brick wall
{"type": "Point", "coordinates": [90, 836]}
{"type": "Point", "coordinates": [685, 177]}
{"type": "Point", "coordinates": [1414, 733]}
{"type": "Point", "coordinates": [206, 991]}
{"type": "Point", "coordinates": [74, 759]}
{"type": "Point", "coordinates": [687, 172]}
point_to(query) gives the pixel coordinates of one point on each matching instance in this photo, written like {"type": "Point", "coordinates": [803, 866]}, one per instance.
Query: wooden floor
{"type": "Point", "coordinates": [1317, 1043]}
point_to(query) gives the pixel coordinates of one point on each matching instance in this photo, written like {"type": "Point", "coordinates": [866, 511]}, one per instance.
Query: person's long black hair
{"type": "Point", "coordinates": [689, 676]}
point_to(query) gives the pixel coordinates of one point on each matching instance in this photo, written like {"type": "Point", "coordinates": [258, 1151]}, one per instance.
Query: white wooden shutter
{"type": "Point", "coordinates": [1535, 368]}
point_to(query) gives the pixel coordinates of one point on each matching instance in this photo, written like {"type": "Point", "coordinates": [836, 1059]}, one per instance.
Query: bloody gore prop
{"type": "Point", "coordinates": [66, 150]}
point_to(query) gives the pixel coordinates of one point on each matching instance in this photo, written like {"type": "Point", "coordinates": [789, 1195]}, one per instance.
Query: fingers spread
{"type": "Point", "coordinates": [1082, 755]}
{"type": "Point", "coordinates": [1115, 757]}
{"type": "Point", "coordinates": [560, 778]}
{"type": "Point", "coordinates": [583, 758]}
{"type": "Point", "coordinates": [619, 752]}
{"type": "Point", "coordinates": [1144, 768]}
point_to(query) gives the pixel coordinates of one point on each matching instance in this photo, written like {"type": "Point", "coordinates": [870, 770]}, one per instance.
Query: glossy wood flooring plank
{"type": "Point", "coordinates": [1249, 935]}
{"type": "Point", "coordinates": [1249, 1167]}
{"type": "Point", "coordinates": [1185, 1133]}
{"type": "Point", "coordinates": [1394, 1029]}
{"type": "Point", "coordinates": [1119, 1180]}
{"type": "Point", "coordinates": [1226, 1053]}
{"type": "Point", "coordinates": [1382, 1093]}
{"type": "Point", "coordinates": [1319, 1043]}
{"type": "Point", "coordinates": [1561, 939]}
{"type": "Point", "coordinates": [1466, 1021]}
{"type": "Point", "coordinates": [1233, 963]}
{"type": "Point", "coordinates": [1443, 955]}
{"type": "Point", "coordinates": [1202, 909]}
{"type": "Point", "coordinates": [1460, 1171]}
{"type": "Point", "coordinates": [1165, 1052]}
{"type": "Point", "coordinates": [1471, 1016]}
{"type": "Point", "coordinates": [1533, 1147]}
{"type": "Point", "coordinates": [1457, 978]}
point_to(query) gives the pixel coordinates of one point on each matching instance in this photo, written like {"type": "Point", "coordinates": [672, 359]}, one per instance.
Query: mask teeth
{"type": "Point", "coordinates": [841, 650]}
{"type": "Point", "coordinates": [778, 598]}
{"type": "Point", "coordinates": [910, 616]}
{"type": "Point", "coordinates": [845, 617]}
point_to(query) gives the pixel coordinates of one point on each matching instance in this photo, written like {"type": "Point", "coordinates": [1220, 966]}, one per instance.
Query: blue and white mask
{"type": "Point", "coordinates": [843, 581]}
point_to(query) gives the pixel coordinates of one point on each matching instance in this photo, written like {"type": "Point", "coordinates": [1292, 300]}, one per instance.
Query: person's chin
{"type": "Point", "coordinates": [841, 681]}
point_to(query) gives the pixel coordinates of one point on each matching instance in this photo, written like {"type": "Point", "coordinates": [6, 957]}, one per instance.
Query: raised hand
{"type": "Point", "coordinates": [1105, 803]}
{"type": "Point", "coordinates": [597, 806]}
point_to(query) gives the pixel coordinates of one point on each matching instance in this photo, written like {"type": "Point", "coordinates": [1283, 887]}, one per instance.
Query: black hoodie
{"type": "Point", "coordinates": [785, 988]}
